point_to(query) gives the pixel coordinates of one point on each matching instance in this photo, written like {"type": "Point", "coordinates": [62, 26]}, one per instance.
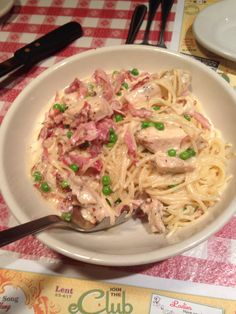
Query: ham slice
{"type": "Point", "coordinates": [102, 80]}
{"type": "Point", "coordinates": [131, 144]}
{"type": "Point", "coordinates": [205, 123]}
{"type": "Point", "coordinates": [84, 132]}
{"type": "Point", "coordinates": [77, 86]}
{"type": "Point", "coordinates": [140, 113]}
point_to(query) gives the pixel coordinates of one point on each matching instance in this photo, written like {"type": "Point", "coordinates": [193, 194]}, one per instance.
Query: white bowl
{"type": "Point", "coordinates": [130, 243]}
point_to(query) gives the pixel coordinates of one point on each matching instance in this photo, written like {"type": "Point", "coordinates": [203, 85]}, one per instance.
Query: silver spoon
{"type": "Point", "coordinates": [77, 223]}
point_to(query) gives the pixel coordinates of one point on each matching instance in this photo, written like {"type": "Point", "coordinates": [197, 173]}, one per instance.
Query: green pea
{"type": "Point", "coordinates": [134, 71]}
{"type": "Point", "coordinates": [45, 187]}
{"type": "Point", "coordinates": [74, 167]}
{"type": "Point", "coordinates": [106, 190]}
{"type": "Point", "coordinates": [37, 176]}
{"type": "Point", "coordinates": [112, 136]}
{"type": "Point", "coordinates": [66, 216]}
{"type": "Point", "coordinates": [160, 126]}
{"type": "Point", "coordinates": [64, 184]}
{"type": "Point", "coordinates": [106, 180]}
{"type": "Point", "coordinates": [119, 94]}
{"type": "Point", "coordinates": [125, 85]}
{"type": "Point", "coordinates": [146, 124]}
{"type": "Point", "coordinates": [187, 117]}
{"type": "Point", "coordinates": [60, 107]}
{"type": "Point", "coordinates": [156, 107]}
{"type": "Point", "coordinates": [188, 153]}
{"type": "Point", "coordinates": [118, 117]}
{"type": "Point", "coordinates": [171, 152]}
{"type": "Point", "coordinates": [69, 134]}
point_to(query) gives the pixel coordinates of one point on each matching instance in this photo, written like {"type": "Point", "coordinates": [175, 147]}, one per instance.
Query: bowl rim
{"type": "Point", "coordinates": [104, 258]}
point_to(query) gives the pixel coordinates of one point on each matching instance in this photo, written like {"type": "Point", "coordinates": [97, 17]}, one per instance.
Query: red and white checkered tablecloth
{"type": "Point", "coordinates": [105, 23]}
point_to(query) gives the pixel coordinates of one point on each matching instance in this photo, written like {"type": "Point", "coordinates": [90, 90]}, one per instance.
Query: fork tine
{"type": "Point", "coordinates": [106, 223]}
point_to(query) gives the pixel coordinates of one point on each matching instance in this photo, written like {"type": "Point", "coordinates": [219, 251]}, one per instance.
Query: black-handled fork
{"type": "Point", "coordinates": [166, 6]}
{"type": "Point", "coordinates": [152, 9]}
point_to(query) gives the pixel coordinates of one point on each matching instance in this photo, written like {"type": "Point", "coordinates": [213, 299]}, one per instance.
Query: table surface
{"type": "Point", "coordinates": [105, 23]}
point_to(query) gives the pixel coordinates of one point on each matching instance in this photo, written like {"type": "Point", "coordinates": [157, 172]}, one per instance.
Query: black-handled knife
{"type": "Point", "coordinates": [43, 47]}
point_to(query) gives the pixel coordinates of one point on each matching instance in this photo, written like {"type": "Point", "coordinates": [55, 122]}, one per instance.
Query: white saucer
{"type": "Point", "coordinates": [215, 28]}
{"type": "Point", "coordinates": [5, 6]}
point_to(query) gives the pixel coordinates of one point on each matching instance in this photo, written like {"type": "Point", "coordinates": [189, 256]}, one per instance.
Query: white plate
{"type": "Point", "coordinates": [130, 243]}
{"type": "Point", "coordinates": [215, 28]}
{"type": "Point", "coordinates": [5, 6]}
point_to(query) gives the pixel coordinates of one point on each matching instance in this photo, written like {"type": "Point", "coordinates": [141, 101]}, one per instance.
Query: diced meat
{"type": "Point", "coordinates": [166, 164]}
{"type": "Point", "coordinates": [119, 79]}
{"type": "Point", "coordinates": [84, 162]}
{"type": "Point", "coordinates": [140, 83]}
{"type": "Point", "coordinates": [184, 105]}
{"type": "Point", "coordinates": [154, 211]}
{"type": "Point", "coordinates": [141, 113]}
{"type": "Point", "coordinates": [84, 132]}
{"type": "Point", "coordinates": [71, 99]}
{"type": "Point", "coordinates": [82, 192]}
{"type": "Point", "coordinates": [117, 106]}
{"type": "Point", "coordinates": [103, 127]}
{"type": "Point", "coordinates": [99, 108]}
{"type": "Point", "coordinates": [205, 123]}
{"type": "Point", "coordinates": [131, 144]}
{"type": "Point", "coordinates": [143, 94]}
{"type": "Point", "coordinates": [102, 80]}
{"type": "Point", "coordinates": [77, 86]}
{"type": "Point", "coordinates": [155, 140]}
{"type": "Point", "coordinates": [79, 110]}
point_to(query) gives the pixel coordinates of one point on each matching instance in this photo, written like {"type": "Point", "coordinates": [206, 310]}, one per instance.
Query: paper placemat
{"type": "Point", "coordinates": [27, 292]}
{"type": "Point", "coordinates": [189, 45]}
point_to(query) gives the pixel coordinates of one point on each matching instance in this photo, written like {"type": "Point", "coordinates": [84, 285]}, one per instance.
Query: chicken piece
{"type": "Point", "coordinates": [143, 94]}
{"type": "Point", "coordinates": [99, 108]}
{"type": "Point", "coordinates": [155, 140]}
{"type": "Point", "coordinates": [86, 195]}
{"type": "Point", "coordinates": [166, 164]}
{"type": "Point", "coordinates": [154, 211]}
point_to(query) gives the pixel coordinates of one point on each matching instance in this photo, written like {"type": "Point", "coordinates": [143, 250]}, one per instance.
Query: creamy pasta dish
{"type": "Point", "coordinates": [131, 141]}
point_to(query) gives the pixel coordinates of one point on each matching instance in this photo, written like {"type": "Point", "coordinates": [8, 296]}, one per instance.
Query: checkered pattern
{"type": "Point", "coordinates": [105, 23]}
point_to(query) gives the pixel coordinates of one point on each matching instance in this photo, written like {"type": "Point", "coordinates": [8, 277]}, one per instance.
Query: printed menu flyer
{"type": "Point", "coordinates": [188, 44]}
{"type": "Point", "coordinates": [28, 293]}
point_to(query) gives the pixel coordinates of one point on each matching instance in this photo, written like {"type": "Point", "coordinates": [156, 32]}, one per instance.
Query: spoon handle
{"type": "Point", "coordinates": [136, 22]}
{"type": "Point", "coordinates": [166, 6]}
{"type": "Point", "coordinates": [15, 233]}
{"type": "Point", "coordinates": [153, 6]}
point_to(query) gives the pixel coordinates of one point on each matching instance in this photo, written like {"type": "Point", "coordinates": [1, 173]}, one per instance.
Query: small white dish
{"type": "Point", "coordinates": [215, 28]}
{"type": "Point", "coordinates": [129, 243]}
{"type": "Point", "coordinates": [5, 6]}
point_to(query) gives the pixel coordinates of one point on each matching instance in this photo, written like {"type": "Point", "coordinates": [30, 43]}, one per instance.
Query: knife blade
{"type": "Point", "coordinates": [43, 47]}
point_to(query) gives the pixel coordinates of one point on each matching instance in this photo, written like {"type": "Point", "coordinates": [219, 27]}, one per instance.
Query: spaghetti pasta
{"type": "Point", "coordinates": [133, 141]}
